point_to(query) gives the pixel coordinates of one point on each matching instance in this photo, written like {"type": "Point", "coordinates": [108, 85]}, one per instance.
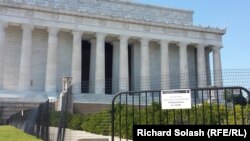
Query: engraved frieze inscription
{"type": "Point", "coordinates": [210, 36]}
{"type": "Point", "coordinates": [102, 23]}
{"type": "Point", "coordinates": [125, 25]}
{"type": "Point", "coordinates": [165, 30]}
{"type": "Point", "coordinates": [29, 13]}
{"type": "Point", "coordinates": [54, 17]}
{"type": "Point", "coordinates": [146, 28]}
{"type": "Point", "coordinates": [194, 34]}
{"type": "Point", "coordinates": [203, 35]}
{"type": "Point", "coordinates": [3, 9]}
{"type": "Point", "coordinates": [176, 32]}
{"type": "Point", "coordinates": [78, 19]}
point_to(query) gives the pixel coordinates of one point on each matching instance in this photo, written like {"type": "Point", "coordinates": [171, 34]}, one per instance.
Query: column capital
{"type": "Point", "coordinates": [216, 48]}
{"type": "Point", "coordinates": [201, 46]}
{"type": "Point", "coordinates": [77, 32]}
{"type": "Point", "coordinates": [27, 27]}
{"type": "Point", "coordinates": [101, 35]}
{"type": "Point", "coordinates": [164, 42]}
{"type": "Point", "coordinates": [144, 42]}
{"type": "Point", "coordinates": [182, 44]}
{"type": "Point", "coordinates": [124, 37]}
{"type": "Point", "coordinates": [53, 30]}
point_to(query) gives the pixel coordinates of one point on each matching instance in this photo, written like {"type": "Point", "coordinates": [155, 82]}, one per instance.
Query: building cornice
{"type": "Point", "coordinates": [110, 8]}
{"type": "Point", "coordinates": [154, 6]}
{"type": "Point", "coordinates": [117, 19]}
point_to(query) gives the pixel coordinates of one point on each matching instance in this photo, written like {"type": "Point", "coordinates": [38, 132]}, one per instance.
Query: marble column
{"type": "Point", "coordinates": [123, 65]}
{"type": "Point", "coordinates": [207, 52]}
{"type": "Point", "coordinates": [3, 25]}
{"type": "Point", "coordinates": [100, 64]}
{"type": "Point", "coordinates": [165, 80]}
{"type": "Point", "coordinates": [184, 78]}
{"type": "Point", "coordinates": [217, 67]}
{"type": "Point", "coordinates": [92, 66]}
{"type": "Point", "coordinates": [115, 67]}
{"type": "Point", "coordinates": [145, 72]}
{"type": "Point", "coordinates": [51, 69]}
{"type": "Point", "coordinates": [135, 66]}
{"type": "Point", "coordinates": [76, 68]}
{"type": "Point", "coordinates": [201, 66]}
{"type": "Point", "coordinates": [24, 73]}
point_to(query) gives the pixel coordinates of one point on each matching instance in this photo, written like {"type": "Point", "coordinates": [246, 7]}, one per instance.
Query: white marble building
{"type": "Point", "coordinates": [132, 46]}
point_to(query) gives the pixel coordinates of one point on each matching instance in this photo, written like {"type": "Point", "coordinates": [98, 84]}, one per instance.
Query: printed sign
{"type": "Point", "coordinates": [176, 99]}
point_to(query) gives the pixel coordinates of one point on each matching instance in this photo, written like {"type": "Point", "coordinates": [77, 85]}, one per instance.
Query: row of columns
{"type": "Point", "coordinates": [97, 65]}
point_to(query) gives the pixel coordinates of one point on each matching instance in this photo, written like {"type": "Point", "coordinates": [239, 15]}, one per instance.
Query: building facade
{"type": "Point", "coordinates": [106, 46]}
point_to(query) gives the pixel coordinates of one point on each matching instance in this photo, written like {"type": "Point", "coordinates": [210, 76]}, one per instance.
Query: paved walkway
{"type": "Point", "coordinates": [76, 135]}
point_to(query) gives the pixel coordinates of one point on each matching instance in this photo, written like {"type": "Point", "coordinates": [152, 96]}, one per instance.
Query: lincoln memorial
{"type": "Point", "coordinates": [106, 46]}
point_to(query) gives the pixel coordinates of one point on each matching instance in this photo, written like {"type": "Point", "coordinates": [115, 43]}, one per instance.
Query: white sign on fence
{"type": "Point", "coordinates": [176, 99]}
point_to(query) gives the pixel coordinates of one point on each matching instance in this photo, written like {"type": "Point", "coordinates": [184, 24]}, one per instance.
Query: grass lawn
{"type": "Point", "coordinates": [9, 133]}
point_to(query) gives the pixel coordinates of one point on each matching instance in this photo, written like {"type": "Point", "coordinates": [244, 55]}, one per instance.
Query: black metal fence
{"type": "Point", "coordinates": [33, 121]}
{"type": "Point", "coordinates": [210, 106]}
{"type": "Point", "coordinates": [47, 121]}
{"type": "Point", "coordinates": [213, 106]}
{"type": "Point", "coordinates": [66, 108]}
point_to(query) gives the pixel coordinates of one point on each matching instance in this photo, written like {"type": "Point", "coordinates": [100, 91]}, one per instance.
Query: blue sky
{"type": "Point", "coordinates": [230, 14]}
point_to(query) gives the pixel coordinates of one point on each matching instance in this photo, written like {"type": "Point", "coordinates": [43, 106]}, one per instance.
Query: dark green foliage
{"type": "Point", "coordinates": [75, 121]}
{"type": "Point", "coordinates": [99, 123]}
{"type": "Point", "coordinates": [54, 118]}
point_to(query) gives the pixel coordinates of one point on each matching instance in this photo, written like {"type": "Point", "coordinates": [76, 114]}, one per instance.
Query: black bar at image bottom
{"type": "Point", "coordinates": [203, 132]}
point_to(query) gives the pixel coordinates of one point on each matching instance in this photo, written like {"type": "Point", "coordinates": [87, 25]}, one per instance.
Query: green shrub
{"type": "Point", "coordinates": [75, 121]}
{"type": "Point", "coordinates": [99, 123]}
{"type": "Point", "coordinates": [54, 118]}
